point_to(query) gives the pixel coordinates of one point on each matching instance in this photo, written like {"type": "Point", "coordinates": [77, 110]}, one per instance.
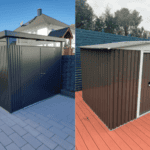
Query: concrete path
{"type": "Point", "coordinates": [46, 125]}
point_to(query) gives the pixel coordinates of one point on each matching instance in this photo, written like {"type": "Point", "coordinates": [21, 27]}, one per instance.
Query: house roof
{"type": "Point", "coordinates": [129, 45]}
{"type": "Point", "coordinates": [38, 20]}
{"type": "Point", "coordinates": [62, 33]}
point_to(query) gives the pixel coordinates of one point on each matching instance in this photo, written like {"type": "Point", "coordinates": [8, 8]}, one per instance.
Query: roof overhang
{"type": "Point", "coordinates": [68, 30]}
{"type": "Point", "coordinates": [128, 45]}
{"type": "Point", "coordinates": [21, 35]}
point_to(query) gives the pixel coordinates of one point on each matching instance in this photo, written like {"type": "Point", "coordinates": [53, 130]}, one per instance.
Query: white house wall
{"type": "Point", "coordinates": [45, 30]}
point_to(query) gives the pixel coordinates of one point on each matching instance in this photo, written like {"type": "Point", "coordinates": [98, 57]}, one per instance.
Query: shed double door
{"type": "Point", "coordinates": [39, 73]}
{"type": "Point", "coordinates": [145, 87]}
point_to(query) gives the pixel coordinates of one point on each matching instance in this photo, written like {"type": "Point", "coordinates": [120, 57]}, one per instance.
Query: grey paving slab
{"type": "Point", "coordinates": [32, 117]}
{"type": "Point", "coordinates": [55, 124]}
{"type": "Point", "coordinates": [43, 147]}
{"type": "Point", "coordinates": [12, 146]}
{"type": "Point", "coordinates": [20, 116]}
{"type": "Point", "coordinates": [58, 132]}
{"type": "Point", "coordinates": [1, 122]}
{"type": "Point", "coordinates": [73, 121]}
{"type": "Point", "coordinates": [44, 124]}
{"type": "Point", "coordinates": [4, 139]}
{"type": "Point", "coordinates": [5, 128]}
{"type": "Point", "coordinates": [54, 118]}
{"type": "Point", "coordinates": [59, 148]}
{"type": "Point", "coordinates": [17, 139]}
{"type": "Point", "coordinates": [69, 125]}
{"type": "Point", "coordinates": [66, 145]}
{"type": "Point", "coordinates": [23, 111]}
{"type": "Point", "coordinates": [42, 117]}
{"type": "Point", "coordinates": [2, 116]}
{"type": "Point", "coordinates": [45, 131]}
{"type": "Point", "coordinates": [71, 140]}
{"type": "Point", "coordinates": [43, 120]}
{"type": "Point", "coordinates": [11, 116]}
{"type": "Point", "coordinates": [19, 130]}
{"type": "Point", "coordinates": [8, 121]}
{"type": "Point", "coordinates": [31, 123]}
{"type": "Point", "coordinates": [73, 148]}
{"type": "Point", "coordinates": [69, 131]}
{"type": "Point", "coordinates": [32, 131]}
{"type": "Point", "coordinates": [31, 111]}
{"type": "Point", "coordinates": [20, 122]}
{"type": "Point", "coordinates": [2, 147]}
{"type": "Point", "coordinates": [2, 110]}
{"type": "Point", "coordinates": [34, 142]}
{"type": "Point", "coordinates": [27, 147]}
{"type": "Point", "coordinates": [48, 142]}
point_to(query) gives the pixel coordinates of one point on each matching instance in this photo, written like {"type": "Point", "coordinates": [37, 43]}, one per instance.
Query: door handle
{"type": "Point", "coordinates": [42, 73]}
{"type": "Point", "coordinates": [148, 83]}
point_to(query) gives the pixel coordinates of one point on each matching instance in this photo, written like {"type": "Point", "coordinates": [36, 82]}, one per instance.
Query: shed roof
{"type": "Point", "coordinates": [62, 33]}
{"type": "Point", "coordinates": [128, 45]}
{"type": "Point", "coordinates": [7, 33]}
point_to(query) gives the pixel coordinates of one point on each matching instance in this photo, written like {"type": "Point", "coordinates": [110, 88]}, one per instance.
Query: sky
{"type": "Point", "coordinates": [13, 12]}
{"type": "Point", "coordinates": [142, 6]}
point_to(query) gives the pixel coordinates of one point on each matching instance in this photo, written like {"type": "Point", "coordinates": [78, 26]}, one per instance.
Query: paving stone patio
{"type": "Point", "coordinates": [45, 125]}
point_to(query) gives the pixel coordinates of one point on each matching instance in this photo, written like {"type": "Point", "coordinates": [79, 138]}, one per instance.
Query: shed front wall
{"type": "Point", "coordinates": [34, 74]}
{"type": "Point", "coordinates": [110, 84]}
{"type": "Point", "coordinates": [145, 88]}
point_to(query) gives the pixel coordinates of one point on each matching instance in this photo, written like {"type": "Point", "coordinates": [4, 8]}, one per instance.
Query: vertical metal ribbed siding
{"type": "Point", "coordinates": [145, 91]}
{"type": "Point", "coordinates": [113, 75]}
{"type": "Point", "coordinates": [15, 71]}
{"type": "Point", "coordinates": [4, 82]}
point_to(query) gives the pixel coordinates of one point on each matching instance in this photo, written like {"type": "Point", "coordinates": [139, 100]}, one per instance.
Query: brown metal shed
{"type": "Point", "coordinates": [116, 80]}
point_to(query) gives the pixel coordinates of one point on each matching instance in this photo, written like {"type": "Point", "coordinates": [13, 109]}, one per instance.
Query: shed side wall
{"type": "Point", "coordinates": [4, 88]}
{"type": "Point", "coordinates": [110, 84]}
{"type": "Point", "coordinates": [122, 86]}
{"type": "Point", "coordinates": [15, 76]}
{"type": "Point", "coordinates": [94, 66]}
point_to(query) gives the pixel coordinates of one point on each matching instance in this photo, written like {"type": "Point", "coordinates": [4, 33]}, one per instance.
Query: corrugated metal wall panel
{"type": "Point", "coordinates": [110, 84]}
{"type": "Point", "coordinates": [4, 82]}
{"type": "Point", "coordinates": [15, 78]}
{"type": "Point", "coordinates": [145, 91]}
{"type": "Point", "coordinates": [87, 37]}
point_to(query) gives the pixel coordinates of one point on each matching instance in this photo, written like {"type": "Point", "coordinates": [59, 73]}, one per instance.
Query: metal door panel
{"type": "Point", "coordinates": [145, 88]}
{"type": "Point", "coordinates": [50, 71]}
{"type": "Point", "coordinates": [30, 75]}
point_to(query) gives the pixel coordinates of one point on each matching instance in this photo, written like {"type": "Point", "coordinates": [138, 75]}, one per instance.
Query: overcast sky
{"type": "Point", "coordinates": [142, 6]}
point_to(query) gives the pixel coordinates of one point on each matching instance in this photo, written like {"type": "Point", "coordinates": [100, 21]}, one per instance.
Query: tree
{"type": "Point", "coordinates": [138, 32]}
{"type": "Point", "coordinates": [144, 35]}
{"type": "Point", "coordinates": [135, 19]}
{"type": "Point", "coordinates": [99, 24]}
{"type": "Point", "coordinates": [110, 21]}
{"type": "Point", "coordinates": [127, 20]}
{"type": "Point", "coordinates": [84, 15]}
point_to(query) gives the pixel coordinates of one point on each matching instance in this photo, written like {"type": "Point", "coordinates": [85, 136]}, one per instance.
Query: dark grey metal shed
{"type": "Point", "coordinates": [116, 80]}
{"type": "Point", "coordinates": [28, 72]}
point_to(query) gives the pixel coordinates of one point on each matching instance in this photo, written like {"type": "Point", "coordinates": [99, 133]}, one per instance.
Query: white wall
{"type": "Point", "coordinates": [42, 31]}
{"type": "Point", "coordinates": [45, 30]}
